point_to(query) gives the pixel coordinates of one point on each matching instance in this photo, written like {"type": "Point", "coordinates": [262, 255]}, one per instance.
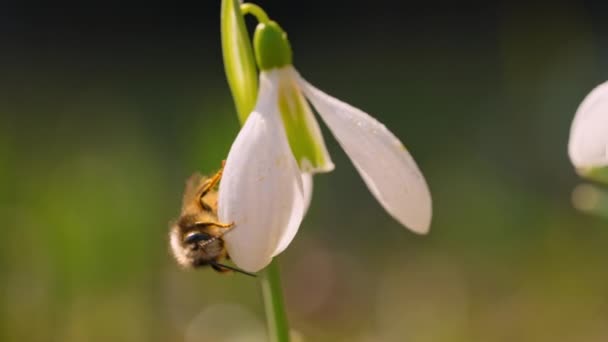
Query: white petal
{"type": "Point", "coordinates": [261, 189]}
{"type": "Point", "coordinates": [307, 189]}
{"type": "Point", "coordinates": [389, 171]}
{"type": "Point", "coordinates": [588, 146]}
{"type": "Point", "coordinates": [296, 217]}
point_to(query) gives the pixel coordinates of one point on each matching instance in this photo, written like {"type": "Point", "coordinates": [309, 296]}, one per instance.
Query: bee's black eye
{"type": "Point", "coordinates": [196, 237]}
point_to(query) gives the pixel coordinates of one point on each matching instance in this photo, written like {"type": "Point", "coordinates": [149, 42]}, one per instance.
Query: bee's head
{"type": "Point", "coordinates": [195, 248]}
{"type": "Point", "coordinates": [197, 239]}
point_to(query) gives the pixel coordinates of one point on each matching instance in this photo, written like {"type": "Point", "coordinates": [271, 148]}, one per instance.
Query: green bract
{"type": "Point", "coordinates": [272, 49]}
{"type": "Point", "coordinates": [239, 64]}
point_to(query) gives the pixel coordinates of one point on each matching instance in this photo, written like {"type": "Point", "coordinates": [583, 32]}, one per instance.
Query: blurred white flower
{"type": "Point", "coordinates": [264, 191]}
{"type": "Point", "coordinates": [588, 145]}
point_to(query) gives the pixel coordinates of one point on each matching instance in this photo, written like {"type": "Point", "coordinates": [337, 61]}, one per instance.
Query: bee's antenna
{"type": "Point", "coordinates": [232, 269]}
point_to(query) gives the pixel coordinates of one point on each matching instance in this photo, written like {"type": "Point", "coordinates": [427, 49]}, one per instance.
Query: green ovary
{"type": "Point", "coordinates": [598, 174]}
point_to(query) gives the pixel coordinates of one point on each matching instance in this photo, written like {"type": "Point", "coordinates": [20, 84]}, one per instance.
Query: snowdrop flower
{"type": "Point", "coordinates": [267, 182]}
{"type": "Point", "coordinates": [588, 145]}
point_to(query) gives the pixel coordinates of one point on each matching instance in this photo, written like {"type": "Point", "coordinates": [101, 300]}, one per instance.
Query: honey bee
{"type": "Point", "coordinates": [196, 237]}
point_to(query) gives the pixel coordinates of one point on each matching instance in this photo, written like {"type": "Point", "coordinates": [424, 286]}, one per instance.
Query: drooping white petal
{"type": "Point", "coordinates": [389, 171]}
{"type": "Point", "coordinates": [588, 145]}
{"type": "Point", "coordinates": [261, 188]}
{"type": "Point", "coordinates": [296, 217]}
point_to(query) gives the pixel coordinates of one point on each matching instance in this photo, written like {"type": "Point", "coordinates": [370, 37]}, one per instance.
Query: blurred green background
{"type": "Point", "coordinates": [106, 110]}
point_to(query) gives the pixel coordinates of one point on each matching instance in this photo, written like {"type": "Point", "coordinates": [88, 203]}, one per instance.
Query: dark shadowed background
{"type": "Point", "coordinates": [106, 109]}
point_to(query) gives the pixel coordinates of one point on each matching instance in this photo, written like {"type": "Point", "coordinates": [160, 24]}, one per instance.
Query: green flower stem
{"type": "Point", "coordinates": [241, 74]}
{"type": "Point", "coordinates": [276, 318]}
{"type": "Point", "coordinates": [256, 11]}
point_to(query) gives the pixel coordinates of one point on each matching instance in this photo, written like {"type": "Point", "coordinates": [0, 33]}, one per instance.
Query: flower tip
{"type": "Point", "coordinates": [419, 221]}
{"type": "Point", "coordinates": [421, 229]}
{"type": "Point", "coordinates": [588, 143]}
{"type": "Point", "coordinates": [247, 263]}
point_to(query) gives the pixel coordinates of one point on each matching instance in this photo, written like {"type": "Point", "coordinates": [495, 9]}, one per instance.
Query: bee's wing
{"type": "Point", "coordinates": [193, 187]}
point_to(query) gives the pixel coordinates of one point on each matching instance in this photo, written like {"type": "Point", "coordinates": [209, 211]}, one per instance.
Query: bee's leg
{"type": "Point", "coordinates": [220, 269]}
{"type": "Point", "coordinates": [226, 226]}
{"type": "Point", "coordinates": [217, 266]}
{"type": "Point", "coordinates": [213, 180]}
{"type": "Point", "coordinates": [226, 268]}
{"type": "Point", "coordinates": [223, 227]}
